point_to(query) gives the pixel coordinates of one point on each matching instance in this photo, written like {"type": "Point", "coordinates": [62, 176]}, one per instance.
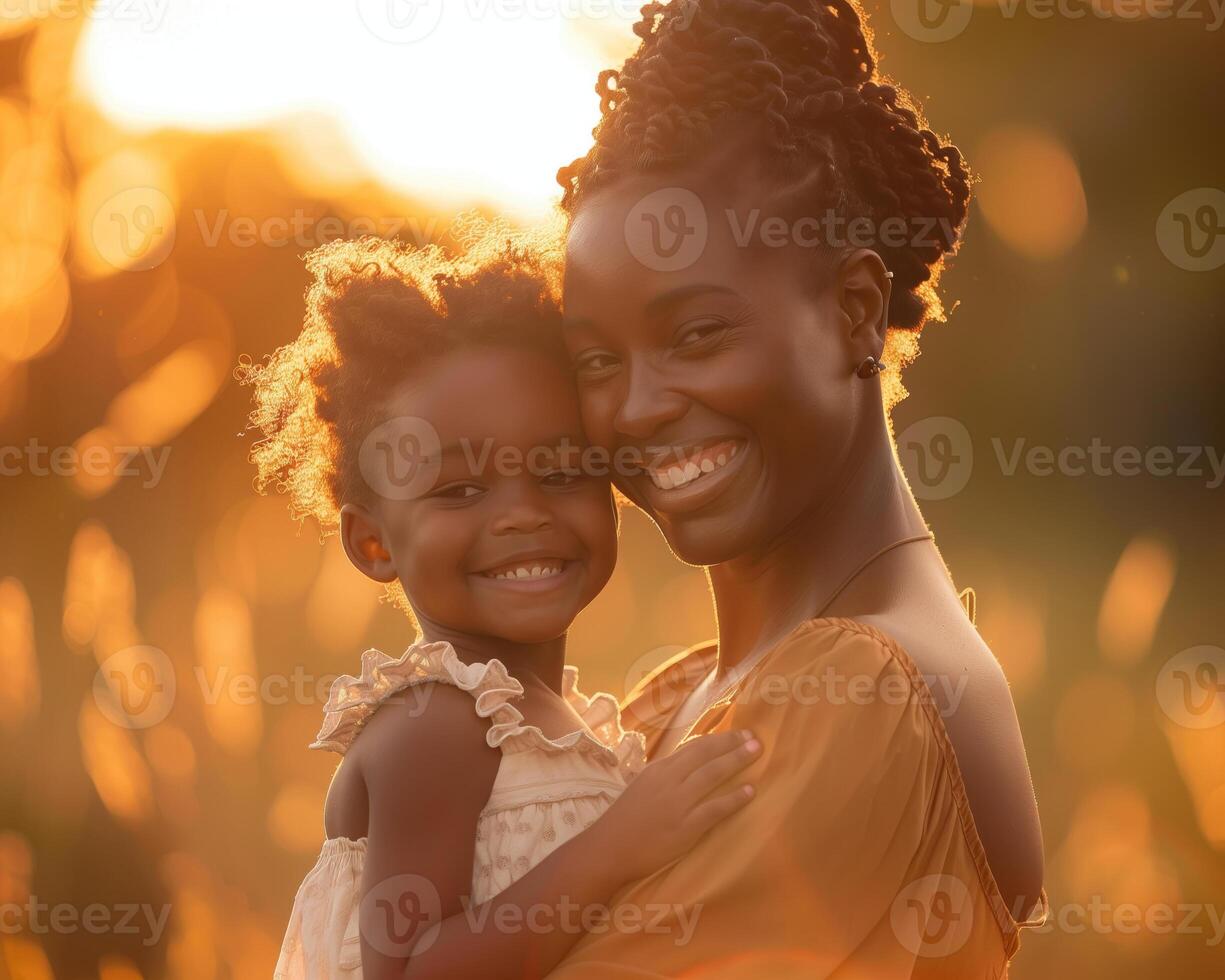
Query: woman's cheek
{"type": "Point", "coordinates": [599, 407]}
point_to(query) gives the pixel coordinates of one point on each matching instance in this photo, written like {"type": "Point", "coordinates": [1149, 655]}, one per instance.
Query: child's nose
{"type": "Point", "coordinates": [523, 514]}
{"type": "Point", "coordinates": [522, 520]}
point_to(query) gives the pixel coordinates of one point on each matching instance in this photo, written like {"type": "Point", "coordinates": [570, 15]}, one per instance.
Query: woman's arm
{"type": "Point", "coordinates": [428, 775]}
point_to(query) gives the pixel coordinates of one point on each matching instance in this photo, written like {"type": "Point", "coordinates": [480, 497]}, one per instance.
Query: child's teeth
{"type": "Point", "coordinates": [722, 460]}
{"type": "Point", "coordinates": [529, 571]}
{"type": "Point", "coordinates": [708, 466]}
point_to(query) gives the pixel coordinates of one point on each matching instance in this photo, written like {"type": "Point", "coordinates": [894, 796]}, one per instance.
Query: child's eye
{"type": "Point", "coordinates": [459, 491]}
{"type": "Point", "coordinates": [560, 478]}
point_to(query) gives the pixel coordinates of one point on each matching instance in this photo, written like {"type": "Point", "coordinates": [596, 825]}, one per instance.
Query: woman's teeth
{"type": "Point", "coordinates": [698, 465]}
{"type": "Point", "coordinates": [544, 570]}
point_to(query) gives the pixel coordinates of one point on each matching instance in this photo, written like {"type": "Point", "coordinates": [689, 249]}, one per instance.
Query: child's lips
{"type": "Point", "coordinates": [534, 575]}
{"type": "Point", "coordinates": [525, 569]}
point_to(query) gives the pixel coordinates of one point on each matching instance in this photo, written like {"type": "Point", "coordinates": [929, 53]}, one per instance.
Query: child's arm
{"type": "Point", "coordinates": [428, 776]}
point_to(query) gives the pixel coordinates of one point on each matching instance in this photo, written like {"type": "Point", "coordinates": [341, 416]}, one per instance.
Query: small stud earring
{"type": "Point", "coordinates": [869, 368]}
{"type": "Point", "coordinates": [888, 275]}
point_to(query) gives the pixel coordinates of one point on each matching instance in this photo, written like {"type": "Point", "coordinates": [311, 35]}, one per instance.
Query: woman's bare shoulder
{"type": "Point", "coordinates": [971, 694]}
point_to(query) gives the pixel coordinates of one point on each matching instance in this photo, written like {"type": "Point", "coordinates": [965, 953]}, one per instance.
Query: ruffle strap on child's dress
{"type": "Point", "coordinates": [353, 700]}
{"type": "Point", "coordinates": [602, 737]}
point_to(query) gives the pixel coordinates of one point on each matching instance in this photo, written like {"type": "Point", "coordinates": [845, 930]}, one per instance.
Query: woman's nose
{"type": "Point", "coordinates": [648, 404]}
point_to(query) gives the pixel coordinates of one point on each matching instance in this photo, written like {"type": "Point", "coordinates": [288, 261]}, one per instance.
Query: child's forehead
{"type": "Point", "coordinates": [509, 396]}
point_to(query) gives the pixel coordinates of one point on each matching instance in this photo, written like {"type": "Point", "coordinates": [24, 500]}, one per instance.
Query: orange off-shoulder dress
{"type": "Point", "coordinates": [858, 857]}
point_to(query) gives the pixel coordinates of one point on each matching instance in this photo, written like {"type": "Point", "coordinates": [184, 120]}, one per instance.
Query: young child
{"type": "Point", "coordinates": [484, 804]}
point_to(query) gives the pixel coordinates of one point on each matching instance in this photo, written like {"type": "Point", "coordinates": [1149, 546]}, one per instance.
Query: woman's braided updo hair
{"type": "Point", "coordinates": [799, 79]}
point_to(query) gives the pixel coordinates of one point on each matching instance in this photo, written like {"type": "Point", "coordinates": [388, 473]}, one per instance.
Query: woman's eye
{"type": "Point", "coordinates": [595, 362]}
{"type": "Point", "coordinates": [694, 335]}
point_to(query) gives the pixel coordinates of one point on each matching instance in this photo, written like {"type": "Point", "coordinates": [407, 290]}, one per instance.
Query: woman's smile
{"type": "Point", "coordinates": [681, 480]}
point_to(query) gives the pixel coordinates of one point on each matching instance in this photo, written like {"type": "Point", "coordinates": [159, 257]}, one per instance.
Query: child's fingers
{"type": "Point", "coordinates": [710, 775]}
{"type": "Point", "coordinates": [709, 812]}
{"type": "Point", "coordinates": [696, 752]}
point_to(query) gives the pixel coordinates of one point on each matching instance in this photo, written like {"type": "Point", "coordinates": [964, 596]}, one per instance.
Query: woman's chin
{"type": "Point", "coordinates": [704, 541]}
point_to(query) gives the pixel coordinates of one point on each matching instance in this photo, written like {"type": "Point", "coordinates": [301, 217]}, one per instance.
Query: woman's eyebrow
{"type": "Point", "coordinates": [674, 297]}
{"type": "Point", "coordinates": [659, 304]}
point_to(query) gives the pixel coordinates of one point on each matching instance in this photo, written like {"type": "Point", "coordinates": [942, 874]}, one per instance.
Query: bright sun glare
{"type": "Point", "coordinates": [472, 100]}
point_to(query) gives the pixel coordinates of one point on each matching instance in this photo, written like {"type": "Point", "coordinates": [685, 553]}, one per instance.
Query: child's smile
{"type": "Point", "coordinates": [514, 540]}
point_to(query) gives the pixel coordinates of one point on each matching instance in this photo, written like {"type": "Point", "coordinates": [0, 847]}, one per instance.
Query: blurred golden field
{"type": "Point", "coordinates": [163, 166]}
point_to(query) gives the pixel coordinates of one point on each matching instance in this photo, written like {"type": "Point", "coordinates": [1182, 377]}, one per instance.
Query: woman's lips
{"type": "Point", "coordinates": [688, 467]}
{"type": "Point", "coordinates": [688, 479]}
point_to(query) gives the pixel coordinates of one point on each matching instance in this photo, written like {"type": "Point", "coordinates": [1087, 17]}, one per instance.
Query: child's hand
{"type": "Point", "coordinates": [674, 800]}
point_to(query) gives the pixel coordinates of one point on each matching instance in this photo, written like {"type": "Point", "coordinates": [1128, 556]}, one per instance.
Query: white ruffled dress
{"type": "Point", "coordinates": [546, 791]}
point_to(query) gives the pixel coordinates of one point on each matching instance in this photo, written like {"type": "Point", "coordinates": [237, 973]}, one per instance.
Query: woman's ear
{"type": "Point", "coordinates": [364, 542]}
{"type": "Point", "coordinates": [863, 297]}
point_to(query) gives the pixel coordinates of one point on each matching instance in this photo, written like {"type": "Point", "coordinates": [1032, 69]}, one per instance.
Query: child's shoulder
{"type": "Point", "coordinates": [432, 747]}
{"type": "Point", "coordinates": [434, 719]}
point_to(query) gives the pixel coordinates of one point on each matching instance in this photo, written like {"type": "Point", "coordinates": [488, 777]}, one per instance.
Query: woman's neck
{"type": "Point", "coordinates": [543, 661]}
{"type": "Point", "coordinates": [761, 597]}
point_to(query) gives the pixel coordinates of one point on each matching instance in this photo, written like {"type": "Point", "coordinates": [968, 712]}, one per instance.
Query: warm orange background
{"type": "Point", "coordinates": [1069, 324]}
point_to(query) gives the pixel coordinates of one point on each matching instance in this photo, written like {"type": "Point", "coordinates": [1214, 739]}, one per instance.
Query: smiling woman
{"type": "Point", "coordinates": [893, 836]}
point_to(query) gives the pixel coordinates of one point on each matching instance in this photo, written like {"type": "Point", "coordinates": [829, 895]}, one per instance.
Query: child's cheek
{"type": "Point", "coordinates": [432, 569]}
{"type": "Point", "coordinates": [598, 532]}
